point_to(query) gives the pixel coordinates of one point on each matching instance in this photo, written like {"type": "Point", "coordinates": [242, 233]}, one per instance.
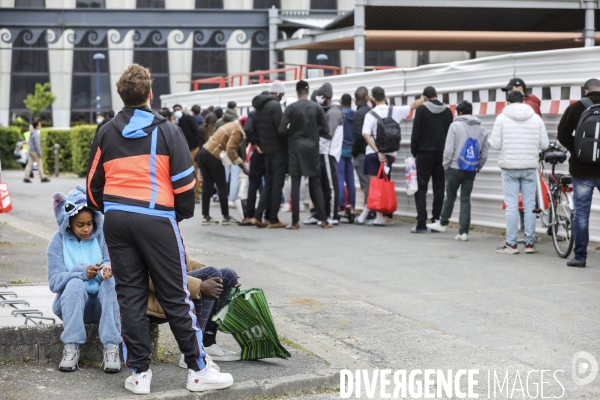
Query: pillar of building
{"type": "Point", "coordinates": [238, 55]}
{"type": "Point", "coordinates": [295, 56]}
{"type": "Point", "coordinates": [590, 23]}
{"type": "Point", "coordinates": [5, 67]}
{"type": "Point", "coordinates": [359, 33]}
{"type": "Point", "coordinates": [60, 65]}
{"type": "Point", "coordinates": [120, 55]}
{"type": "Point", "coordinates": [273, 36]}
{"type": "Point", "coordinates": [180, 54]}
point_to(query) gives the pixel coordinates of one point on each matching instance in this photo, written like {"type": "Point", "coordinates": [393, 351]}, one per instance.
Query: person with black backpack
{"type": "Point", "coordinates": [584, 164]}
{"type": "Point", "coordinates": [430, 127]}
{"type": "Point", "coordinates": [381, 131]}
{"type": "Point", "coordinates": [465, 154]}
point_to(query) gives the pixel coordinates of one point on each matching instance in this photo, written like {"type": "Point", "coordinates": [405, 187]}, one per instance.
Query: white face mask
{"type": "Point", "coordinates": [99, 120]}
{"type": "Point", "coordinates": [320, 99]}
{"type": "Point", "coordinates": [178, 114]}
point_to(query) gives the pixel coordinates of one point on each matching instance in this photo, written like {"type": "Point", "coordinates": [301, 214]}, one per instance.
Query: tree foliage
{"type": "Point", "coordinates": [40, 100]}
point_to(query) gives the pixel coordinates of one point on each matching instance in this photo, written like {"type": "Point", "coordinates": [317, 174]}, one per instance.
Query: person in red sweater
{"type": "Point", "coordinates": [530, 99]}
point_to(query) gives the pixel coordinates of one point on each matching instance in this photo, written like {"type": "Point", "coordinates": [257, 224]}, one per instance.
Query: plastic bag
{"type": "Point", "coordinates": [410, 169]}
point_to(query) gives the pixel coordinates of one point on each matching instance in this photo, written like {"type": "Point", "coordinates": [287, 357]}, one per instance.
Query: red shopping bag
{"type": "Point", "coordinates": [382, 194]}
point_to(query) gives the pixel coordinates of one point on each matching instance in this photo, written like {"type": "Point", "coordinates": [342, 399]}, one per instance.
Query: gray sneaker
{"type": "Point", "coordinates": [70, 358]}
{"type": "Point", "coordinates": [111, 359]}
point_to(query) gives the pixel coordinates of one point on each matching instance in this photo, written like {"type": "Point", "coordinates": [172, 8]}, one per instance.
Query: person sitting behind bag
{"type": "Point", "coordinates": [209, 288]}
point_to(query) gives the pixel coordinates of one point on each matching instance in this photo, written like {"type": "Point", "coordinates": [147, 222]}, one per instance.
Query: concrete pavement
{"type": "Point", "coordinates": [388, 299]}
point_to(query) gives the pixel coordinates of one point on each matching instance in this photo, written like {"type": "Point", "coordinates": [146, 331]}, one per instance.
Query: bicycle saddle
{"type": "Point", "coordinates": [555, 157]}
{"type": "Point", "coordinates": [564, 179]}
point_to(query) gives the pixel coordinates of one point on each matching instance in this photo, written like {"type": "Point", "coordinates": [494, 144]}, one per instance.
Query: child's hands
{"type": "Point", "coordinates": [92, 271]}
{"type": "Point", "coordinates": [106, 272]}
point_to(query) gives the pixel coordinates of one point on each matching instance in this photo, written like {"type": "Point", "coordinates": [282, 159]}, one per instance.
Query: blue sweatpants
{"type": "Point", "coordinates": [78, 307]}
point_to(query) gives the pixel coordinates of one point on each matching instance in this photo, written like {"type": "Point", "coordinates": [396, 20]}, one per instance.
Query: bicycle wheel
{"type": "Point", "coordinates": [562, 223]}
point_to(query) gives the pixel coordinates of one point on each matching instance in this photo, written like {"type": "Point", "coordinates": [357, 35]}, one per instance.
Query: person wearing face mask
{"type": "Point", "coordinates": [274, 145]}
{"type": "Point", "coordinates": [35, 153]}
{"type": "Point", "coordinates": [104, 118]}
{"type": "Point", "coordinates": [189, 127]}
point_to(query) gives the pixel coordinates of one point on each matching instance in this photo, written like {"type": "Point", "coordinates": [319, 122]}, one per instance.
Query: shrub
{"type": "Point", "coordinates": [9, 136]}
{"type": "Point", "coordinates": [63, 138]}
{"type": "Point", "coordinates": [81, 143]}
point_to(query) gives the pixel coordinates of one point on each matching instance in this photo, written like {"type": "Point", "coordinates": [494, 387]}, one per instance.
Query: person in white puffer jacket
{"type": "Point", "coordinates": [519, 133]}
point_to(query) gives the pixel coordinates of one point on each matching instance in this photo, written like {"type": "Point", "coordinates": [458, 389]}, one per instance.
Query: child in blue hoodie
{"type": "Point", "coordinates": [80, 275]}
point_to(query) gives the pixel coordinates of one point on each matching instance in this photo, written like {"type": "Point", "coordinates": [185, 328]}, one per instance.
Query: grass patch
{"type": "Point", "coordinates": [284, 340]}
{"type": "Point", "coordinates": [86, 362]}
{"type": "Point", "coordinates": [319, 390]}
{"type": "Point", "coordinates": [19, 281]}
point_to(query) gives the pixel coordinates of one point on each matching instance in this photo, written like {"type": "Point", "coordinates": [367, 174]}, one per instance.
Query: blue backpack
{"type": "Point", "coordinates": [468, 160]}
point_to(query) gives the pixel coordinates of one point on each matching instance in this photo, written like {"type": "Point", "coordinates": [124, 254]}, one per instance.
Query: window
{"type": "Point", "coordinates": [158, 63]}
{"type": "Point", "coordinates": [150, 4]}
{"type": "Point", "coordinates": [29, 66]}
{"type": "Point", "coordinates": [258, 4]}
{"type": "Point", "coordinates": [90, 4]}
{"type": "Point", "coordinates": [323, 4]}
{"type": "Point", "coordinates": [333, 55]}
{"type": "Point", "coordinates": [209, 4]}
{"type": "Point", "coordinates": [380, 58]}
{"type": "Point", "coordinates": [208, 63]}
{"type": "Point", "coordinates": [30, 3]}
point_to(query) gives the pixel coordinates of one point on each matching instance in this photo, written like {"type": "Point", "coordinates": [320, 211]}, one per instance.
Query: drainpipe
{"type": "Point", "coordinates": [273, 36]}
{"type": "Point", "coordinates": [359, 34]}
{"type": "Point", "coordinates": [590, 23]}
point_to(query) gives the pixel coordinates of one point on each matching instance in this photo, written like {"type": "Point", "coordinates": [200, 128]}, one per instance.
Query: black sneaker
{"type": "Point", "coordinates": [209, 221]}
{"type": "Point", "coordinates": [45, 180]}
{"type": "Point", "coordinates": [574, 262]}
{"type": "Point", "coordinates": [371, 215]}
{"type": "Point", "coordinates": [26, 180]}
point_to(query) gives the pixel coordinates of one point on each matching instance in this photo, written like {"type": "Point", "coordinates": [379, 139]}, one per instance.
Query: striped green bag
{"type": "Point", "coordinates": [246, 316]}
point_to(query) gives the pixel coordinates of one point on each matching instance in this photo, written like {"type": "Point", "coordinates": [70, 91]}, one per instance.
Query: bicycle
{"type": "Point", "coordinates": [556, 197]}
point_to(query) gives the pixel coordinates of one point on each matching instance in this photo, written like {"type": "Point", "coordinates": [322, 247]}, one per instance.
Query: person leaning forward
{"type": "Point", "coordinates": [141, 177]}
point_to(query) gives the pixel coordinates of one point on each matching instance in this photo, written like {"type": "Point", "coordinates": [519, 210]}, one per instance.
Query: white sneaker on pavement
{"type": "Point", "coordinates": [70, 358]}
{"type": "Point", "coordinates": [463, 237]}
{"type": "Point", "coordinates": [139, 383]}
{"type": "Point", "coordinates": [330, 221]}
{"type": "Point", "coordinates": [207, 379]}
{"type": "Point", "coordinates": [311, 221]}
{"type": "Point", "coordinates": [218, 353]}
{"type": "Point", "coordinates": [437, 226]}
{"type": "Point", "coordinates": [209, 360]}
{"type": "Point", "coordinates": [286, 207]}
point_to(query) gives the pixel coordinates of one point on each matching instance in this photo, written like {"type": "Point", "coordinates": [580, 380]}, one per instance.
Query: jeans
{"type": "Point", "coordinates": [514, 180]}
{"type": "Point", "coordinates": [429, 166]}
{"type": "Point", "coordinates": [583, 190]}
{"type": "Point", "coordinates": [363, 179]}
{"type": "Point", "coordinates": [232, 172]}
{"type": "Point", "coordinates": [206, 306]}
{"type": "Point", "coordinates": [213, 173]}
{"type": "Point", "coordinates": [346, 175]}
{"type": "Point", "coordinates": [456, 178]}
{"type": "Point", "coordinates": [255, 183]}
{"type": "Point", "coordinates": [77, 307]}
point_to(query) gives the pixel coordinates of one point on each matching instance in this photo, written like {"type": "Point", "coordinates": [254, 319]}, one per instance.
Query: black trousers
{"type": "Point", "coordinates": [139, 245]}
{"type": "Point", "coordinates": [429, 166]}
{"type": "Point", "coordinates": [316, 195]}
{"type": "Point", "coordinates": [275, 170]}
{"type": "Point", "coordinates": [255, 180]}
{"type": "Point", "coordinates": [330, 185]}
{"type": "Point", "coordinates": [213, 173]}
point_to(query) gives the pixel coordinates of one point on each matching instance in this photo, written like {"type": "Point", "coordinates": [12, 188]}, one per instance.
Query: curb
{"type": "Point", "coordinates": [250, 389]}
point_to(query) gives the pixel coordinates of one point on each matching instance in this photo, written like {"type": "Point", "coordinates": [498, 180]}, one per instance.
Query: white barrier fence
{"type": "Point", "coordinates": [555, 77]}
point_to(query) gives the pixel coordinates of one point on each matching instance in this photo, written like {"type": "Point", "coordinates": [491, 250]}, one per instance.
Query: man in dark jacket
{"type": "Point", "coordinates": [141, 178]}
{"type": "Point", "coordinates": [430, 127]}
{"type": "Point", "coordinates": [257, 170]}
{"type": "Point", "coordinates": [586, 176]}
{"type": "Point", "coordinates": [274, 146]}
{"type": "Point", "coordinates": [189, 127]}
{"type": "Point", "coordinates": [196, 113]}
{"type": "Point", "coordinates": [304, 123]}
{"type": "Point", "coordinates": [529, 99]}
{"type": "Point", "coordinates": [359, 146]}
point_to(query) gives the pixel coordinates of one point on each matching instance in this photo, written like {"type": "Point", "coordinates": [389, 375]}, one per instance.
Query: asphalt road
{"type": "Point", "coordinates": [395, 300]}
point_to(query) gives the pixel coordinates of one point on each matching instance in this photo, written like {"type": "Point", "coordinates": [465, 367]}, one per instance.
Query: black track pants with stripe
{"type": "Point", "coordinates": [330, 185]}
{"type": "Point", "coordinates": [139, 245]}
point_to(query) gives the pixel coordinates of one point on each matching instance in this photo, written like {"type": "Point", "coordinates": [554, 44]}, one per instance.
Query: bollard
{"type": "Point", "coordinates": [56, 161]}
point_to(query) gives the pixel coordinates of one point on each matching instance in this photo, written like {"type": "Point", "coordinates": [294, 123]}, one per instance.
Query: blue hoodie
{"type": "Point", "coordinates": [348, 132]}
{"type": "Point", "coordinates": [68, 256]}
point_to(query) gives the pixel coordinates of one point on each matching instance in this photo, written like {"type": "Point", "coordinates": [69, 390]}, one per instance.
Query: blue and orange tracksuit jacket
{"type": "Point", "coordinates": [139, 162]}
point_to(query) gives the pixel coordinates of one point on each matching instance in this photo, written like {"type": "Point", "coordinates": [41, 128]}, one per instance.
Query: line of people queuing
{"type": "Point", "coordinates": [325, 150]}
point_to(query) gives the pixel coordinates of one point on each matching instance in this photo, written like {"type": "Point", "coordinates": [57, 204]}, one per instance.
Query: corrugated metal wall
{"type": "Point", "coordinates": [549, 69]}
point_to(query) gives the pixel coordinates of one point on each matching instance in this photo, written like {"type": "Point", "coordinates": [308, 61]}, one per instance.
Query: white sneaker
{"type": "Point", "coordinates": [286, 207]}
{"type": "Point", "coordinates": [311, 221]}
{"type": "Point", "coordinates": [139, 383]}
{"type": "Point", "coordinates": [437, 226]}
{"type": "Point", "coordinates": [464, 237]}
{"type": "Point", "coordinates": [209, 360]}
{"type": "Point", "coordinates": [208, 379]}
{"type": "Point", "coordinates": [330, 221]}
{"type": "Point", "coordinates": [218, 353]}
{"type": "Point", "coordinates": [231, 204]}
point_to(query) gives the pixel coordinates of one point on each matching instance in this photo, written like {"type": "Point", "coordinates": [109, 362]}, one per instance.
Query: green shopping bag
{"type": "Point", "coordinates": [246, 316]}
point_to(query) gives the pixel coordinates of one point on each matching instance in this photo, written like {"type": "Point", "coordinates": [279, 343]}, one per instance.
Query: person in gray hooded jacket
{"type": "Point", "coordinates": [465, 126]}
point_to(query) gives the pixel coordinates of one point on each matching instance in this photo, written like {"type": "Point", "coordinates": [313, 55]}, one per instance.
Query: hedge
{"type": "Point", "coordinates": [81, 143]}
{"type": "Point", "coordinates": [63, 138]}
{"type": "Point", "coordinates": [9, 136]}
